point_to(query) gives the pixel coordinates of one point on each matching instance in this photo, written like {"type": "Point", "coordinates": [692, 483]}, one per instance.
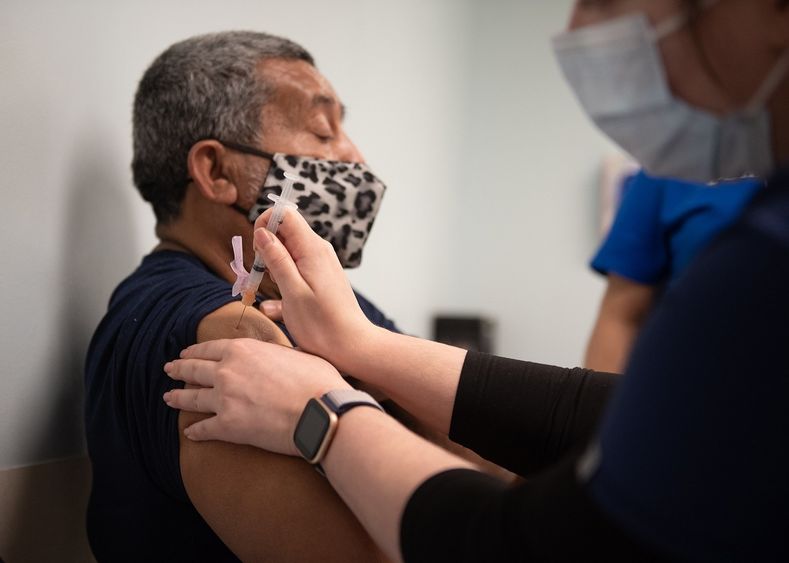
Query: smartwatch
{"type": "Point", "coordinates": [318, 422]}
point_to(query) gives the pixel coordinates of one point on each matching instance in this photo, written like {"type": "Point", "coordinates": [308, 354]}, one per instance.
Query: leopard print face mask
{"type": "Point", "coordinates": [338, 199]}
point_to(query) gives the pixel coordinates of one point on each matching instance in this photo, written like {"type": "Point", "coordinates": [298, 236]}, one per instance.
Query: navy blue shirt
{"type": "Point", "coordinates": [138, 508]}
{"type": "Point", "coordinates": [692, 456]}
{"type": "Point", "coordinates": [662, 224]}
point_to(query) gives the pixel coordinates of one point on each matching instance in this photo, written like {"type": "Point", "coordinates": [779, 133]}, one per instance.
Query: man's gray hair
{"type": "Point", "coordinates": [206, 87]}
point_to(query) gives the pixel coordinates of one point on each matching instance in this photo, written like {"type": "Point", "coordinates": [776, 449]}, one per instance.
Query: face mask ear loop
{"type": "Point", "coordinates": [770, 84]}
{"type": "Point", "coordinates": [247, 149]}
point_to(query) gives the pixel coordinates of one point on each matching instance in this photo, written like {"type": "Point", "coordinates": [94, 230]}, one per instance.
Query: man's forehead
{"type": "Point", "coordinates": [321, 100]}
{"type": "Point", "coordinates": [298, 86]}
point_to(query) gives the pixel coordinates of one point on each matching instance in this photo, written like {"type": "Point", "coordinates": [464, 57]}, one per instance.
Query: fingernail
{"type": "Point", "coordinates": [184, 352]}
{"type": "Point", "coordinates": [269, 308]}
{"type": "Point", "coordinates": [187, 432]}
{"type": "Point", "coordinates": [168, 367]}
{"type": "Point", "coordinates": [263, 237]}
{"type": "Point", "coordinates": [166, 397]}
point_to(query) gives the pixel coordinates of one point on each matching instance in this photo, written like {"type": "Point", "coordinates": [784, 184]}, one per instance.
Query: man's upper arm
{"type": "Point", "coordinates": [265, 506]}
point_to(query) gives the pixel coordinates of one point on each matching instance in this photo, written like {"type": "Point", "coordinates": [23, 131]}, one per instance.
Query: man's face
{"type": "Point", "coordinates": [302, 117]}
{"type": "Point", "coordinates": [718, 60]}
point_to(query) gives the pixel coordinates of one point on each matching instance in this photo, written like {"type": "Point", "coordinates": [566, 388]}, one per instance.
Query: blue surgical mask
{"type": "Point", "coordinates": [617, 73]}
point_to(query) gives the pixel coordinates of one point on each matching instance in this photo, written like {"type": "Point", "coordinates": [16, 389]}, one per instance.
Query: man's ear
{"type": "Point", "coordinates": [208, 168]}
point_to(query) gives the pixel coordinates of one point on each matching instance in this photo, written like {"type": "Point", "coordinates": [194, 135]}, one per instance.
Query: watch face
{"type": "Point", "coordinates": [312, 427]}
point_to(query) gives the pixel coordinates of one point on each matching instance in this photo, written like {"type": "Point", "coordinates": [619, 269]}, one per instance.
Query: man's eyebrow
{"type": "Point", "coordinates": [321, 100]}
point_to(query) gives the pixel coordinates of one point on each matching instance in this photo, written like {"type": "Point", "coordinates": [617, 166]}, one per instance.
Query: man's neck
{"type": "Point", "coordinates": [166, 244]}
{"type": "Point", "coordinates": [182, 237]}
{"type": "Point", "coordinates": [211, 249]}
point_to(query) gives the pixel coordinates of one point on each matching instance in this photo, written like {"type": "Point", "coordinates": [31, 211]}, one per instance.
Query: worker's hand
{"type": "Point", "coordinates": [272, 308]}
{"type": "Point", "coordinates": [318, 304]}
{"type": "Point", "coordinates": [256, 390]}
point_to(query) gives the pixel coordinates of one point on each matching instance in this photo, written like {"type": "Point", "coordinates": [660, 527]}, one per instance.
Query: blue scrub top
{"type": "Point", "coordinates": [662, 224]}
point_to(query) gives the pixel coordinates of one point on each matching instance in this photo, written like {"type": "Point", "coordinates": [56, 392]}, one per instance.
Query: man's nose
{"type": "Point", "coordinates": [345, 150]}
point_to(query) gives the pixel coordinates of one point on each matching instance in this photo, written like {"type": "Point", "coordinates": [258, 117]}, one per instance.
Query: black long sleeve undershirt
{"type": "Point", "coordinates": [541, 411]}
{"type": "Point", "coordinates": [474, 517]}
{"type": "Point", "coordinates": [543, 415]}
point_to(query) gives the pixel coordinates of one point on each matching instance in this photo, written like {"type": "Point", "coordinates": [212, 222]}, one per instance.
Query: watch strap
{"type": "Point", "coordinates": [333, 404]}
{"type": "Point", "coordinates": [341, 401]}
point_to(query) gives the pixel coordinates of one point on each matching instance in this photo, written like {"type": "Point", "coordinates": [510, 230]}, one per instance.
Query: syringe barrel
{"type": "Point", "coordinates": [281, 202]}
{"type": "Point", "coordinates": [248, 298]}
{"type": "Point", "coordinates": [255, 277]}
{"type": "Point", "coordinates": [275, 219]}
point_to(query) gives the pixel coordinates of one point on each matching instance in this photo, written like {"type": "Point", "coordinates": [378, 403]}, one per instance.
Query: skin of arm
{"type": "Point", "coordinates": [623, 310]}
{"type": "Point", "coordinates": [258, 391]}
{"type": "Point", "coordinates": [419, 375]}
{"type": "Point", "coordinates": [265, 506]}
{"type": "Point", "coordinates": [369, 444]}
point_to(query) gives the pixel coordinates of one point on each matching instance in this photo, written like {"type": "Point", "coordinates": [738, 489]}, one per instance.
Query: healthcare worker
{"type": "Point", "coordinates": [659, 229]}
{"type": "Point", "coordinates": [690, 460]}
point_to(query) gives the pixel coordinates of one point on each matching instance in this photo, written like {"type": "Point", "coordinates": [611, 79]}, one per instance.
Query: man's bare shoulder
{"type": "Point", "coordinates": [270, 507]}
{"type": "Point", "coordinates": [265, 506]}
{"type": "Point", "coordinates": [224, 323]}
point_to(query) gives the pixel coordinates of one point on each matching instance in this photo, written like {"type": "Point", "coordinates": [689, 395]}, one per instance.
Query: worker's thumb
{"type": "Point", "coordinates": [278, 261]}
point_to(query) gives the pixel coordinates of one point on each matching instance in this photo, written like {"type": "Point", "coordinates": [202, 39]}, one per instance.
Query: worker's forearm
{"type": "Point", "coordinates": [420, 375]}
{"type": "Point", "coordinates": [610, 345]}
{"type": "Point", "coordinates": [623, 310]}
{"type": "Point", "coordinates": [369, 444]}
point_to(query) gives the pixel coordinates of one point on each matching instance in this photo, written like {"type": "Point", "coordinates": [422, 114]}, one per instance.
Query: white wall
{"type": "Point", "coordinates": [74, 226]}
{"type": "Point", "coordinates": [527, 224]}
{"type": "Point", "coordinates": [456, 104]}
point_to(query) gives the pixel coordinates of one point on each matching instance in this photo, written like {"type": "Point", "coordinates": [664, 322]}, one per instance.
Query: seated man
{"type": "Point", "coordinates": [209, 114]}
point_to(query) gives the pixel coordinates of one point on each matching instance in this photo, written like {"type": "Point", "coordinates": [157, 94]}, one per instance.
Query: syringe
{"type": "Point", "coordinates": [249, 287]}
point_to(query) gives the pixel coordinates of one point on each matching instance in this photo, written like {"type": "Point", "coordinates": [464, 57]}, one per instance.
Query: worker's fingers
{"type": "Point", "coordinates": [272, 308]}
{"type": "Point", "coordinates": [295, 233]}
{"type": "Point", "coordinates": [279, 262]}
{"type": "Point", "coordinates": [211, 350]}
{"type": "Point", "coordinates": [208, 429]}
{"type": "Point", "coordinates": [195, 400]}
{"type": "Point", "coordinates": [194, 371]}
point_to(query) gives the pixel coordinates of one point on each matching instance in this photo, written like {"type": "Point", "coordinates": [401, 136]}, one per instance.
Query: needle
{"type": "Point", "coordinates": [244, 310]}
{"type": "Point", "coordinates": [250, 281]}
